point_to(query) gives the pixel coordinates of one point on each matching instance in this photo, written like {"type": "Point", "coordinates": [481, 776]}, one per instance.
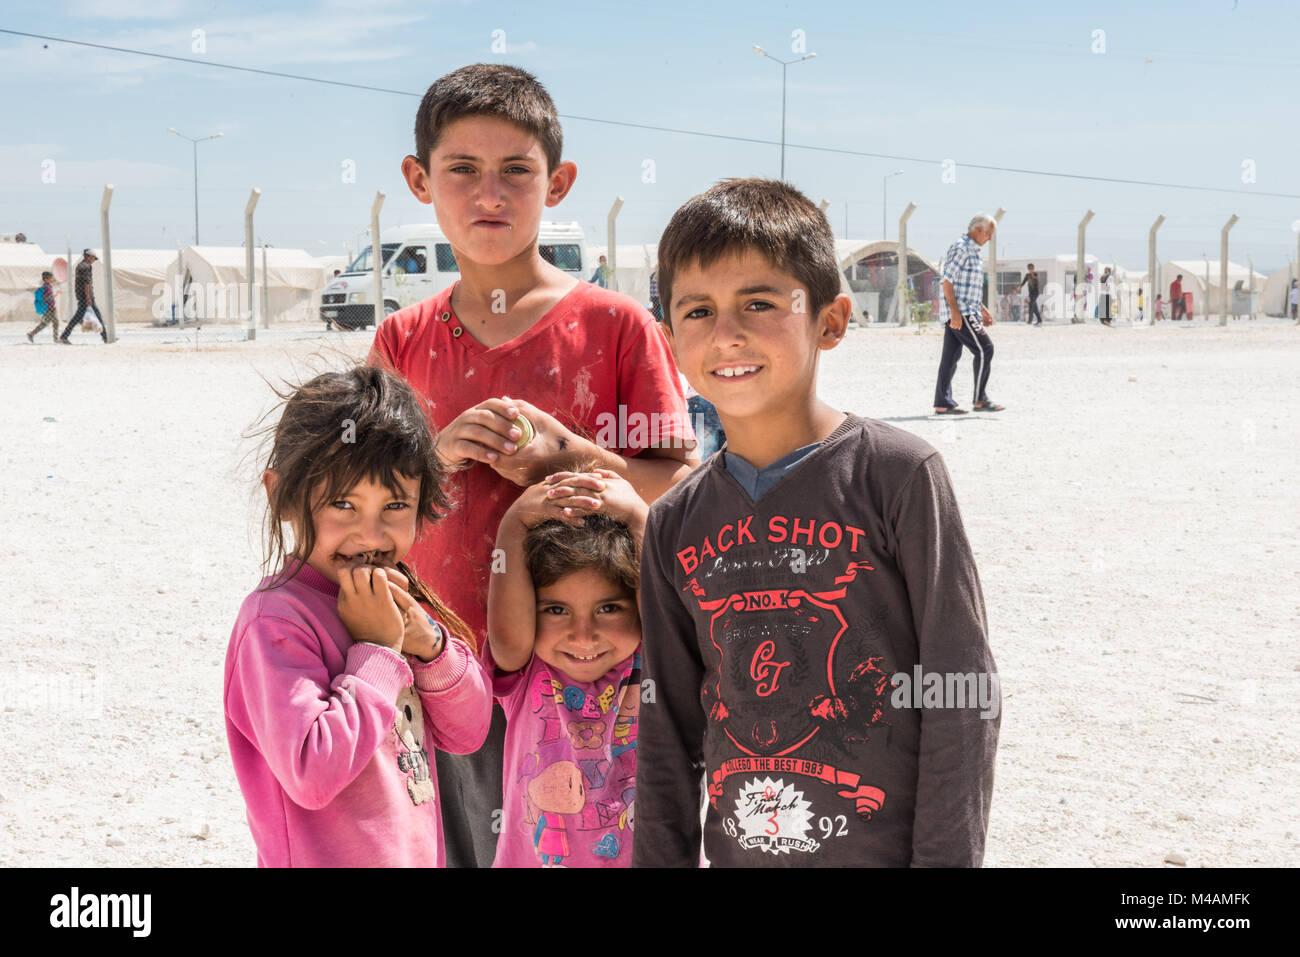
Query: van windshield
{"type": "Point", "coordinates": [363, 262]}
{"type": "Point", "coordinates": [566, 256]}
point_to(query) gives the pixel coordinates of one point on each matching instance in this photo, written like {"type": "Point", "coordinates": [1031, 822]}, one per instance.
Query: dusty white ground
{"type": "Point", "coordinates": [1133, 512]}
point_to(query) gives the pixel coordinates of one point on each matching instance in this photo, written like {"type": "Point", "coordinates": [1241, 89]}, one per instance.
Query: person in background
{"type": "Point", "coordinates": [84, 288]}
{"type": "Point", "coordinates": [1295, 299]}
{"type": "Point", "coordinates": [601, 276]}
{"type": "Point", "coordinates": [1031, 280]}
{"type": "Point", "coordinates": [656, 307]}
{"type": "Point", "coordinates": [1178, 307]}
{"type": "Point", "coordinates": [1103, 302]}
{"type": "Point", "coordinates": [965, 318]}
{"type": "Point", "coordinates": [45, 308]}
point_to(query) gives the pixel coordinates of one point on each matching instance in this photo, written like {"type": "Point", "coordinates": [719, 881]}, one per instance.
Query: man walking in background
{"type": "Point", "coordinates": [1177, 307]}
{"type": "Point", "coordinates": [85, 291]}
{"type": "Point", "coordinates": [963, 280]}
{"type": "Point", "coordinates": [1031, 278]}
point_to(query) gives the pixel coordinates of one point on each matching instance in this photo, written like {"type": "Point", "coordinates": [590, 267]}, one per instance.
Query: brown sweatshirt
{"type": "Point", "coordinates": [818, 661]}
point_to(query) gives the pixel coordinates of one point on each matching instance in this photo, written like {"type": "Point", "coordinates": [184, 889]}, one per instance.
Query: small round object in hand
{"type": "Point", "coordinates": [526, 427]}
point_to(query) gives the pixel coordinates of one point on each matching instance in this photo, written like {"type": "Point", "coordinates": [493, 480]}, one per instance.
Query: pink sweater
{"type": "Point", "coordinates": [328, 736]}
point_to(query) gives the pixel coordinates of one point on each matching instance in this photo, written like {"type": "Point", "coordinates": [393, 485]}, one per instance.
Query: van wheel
{"type": "Point", "coordinates": [390, 307]}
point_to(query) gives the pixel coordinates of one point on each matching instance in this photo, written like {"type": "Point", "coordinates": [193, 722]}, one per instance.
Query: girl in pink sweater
{"type": "Point", "coordinates": [344, 670]}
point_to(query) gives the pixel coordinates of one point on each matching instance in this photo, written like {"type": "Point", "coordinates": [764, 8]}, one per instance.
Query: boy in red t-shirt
{"type": "Point", "coordinates": [586, 366]}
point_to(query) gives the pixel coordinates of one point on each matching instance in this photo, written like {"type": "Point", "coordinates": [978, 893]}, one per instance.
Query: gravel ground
{"type": "Point", "coordinates": [1133, 514]}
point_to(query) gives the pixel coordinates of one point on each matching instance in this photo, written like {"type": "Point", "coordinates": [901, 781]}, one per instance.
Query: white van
{"type": "Point", "coordinates": [418, 262]}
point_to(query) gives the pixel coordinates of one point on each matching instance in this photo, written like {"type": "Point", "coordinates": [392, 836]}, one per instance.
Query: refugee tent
{"type": "Point", "coordinates": [21, 265]}
{"type": "Point", "coordinates": [1193, 271]}
{"type": "Point", "coordinates": [632, 266]}
{"type": "Point", "coordinates": [139, 283]}
{"type": "Point", "coordinates": [210, 282]}
{"type": "Point", "coordinates": [1275, 294]}
{"type": "Point", "coordinates": [328, 264]}
{"type": "Point", "coordinates": [870, 270]}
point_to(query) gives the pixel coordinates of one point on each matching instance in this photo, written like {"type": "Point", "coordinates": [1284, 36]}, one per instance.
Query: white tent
{"type": "Point", "coordinates": [1193, 271]}
{"type": "Point", "coordinates": [874, 284]}
{"type": "Point", "coordinates": [211, 283]}
{"type": "Point", "coordinates": [21, 265]}
{"type": "Point", "coordinates": [139, 281]}
{"type": "Point", "coordinates": [328, 264]}
{"type": "Point", "coordinates": [633, 267]}
{"type": "Point", "coordinates": [1274, 298]}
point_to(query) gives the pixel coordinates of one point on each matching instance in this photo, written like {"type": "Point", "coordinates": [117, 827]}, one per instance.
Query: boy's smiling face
{"type": "Point", "coordinates": [488, 183]}
{"type": "Point", "coordinates": [743, 336]}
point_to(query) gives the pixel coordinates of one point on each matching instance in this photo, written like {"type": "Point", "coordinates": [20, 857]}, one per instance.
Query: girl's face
{"type": "Point", "coordinates": [367, 526]}
{"type": "Point", "coordinates": [586, 624]}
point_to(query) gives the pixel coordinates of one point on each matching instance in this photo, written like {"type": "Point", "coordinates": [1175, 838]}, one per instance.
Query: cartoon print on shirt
{"type": "Point", "coordinates": [412, 759]}
{"type": "Point", "coordinates": [556, 791]}
{"type": "Point", "coordinates": [586, 745]}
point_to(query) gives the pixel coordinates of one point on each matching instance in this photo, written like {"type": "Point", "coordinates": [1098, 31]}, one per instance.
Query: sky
{"type": "Point", "coordinates": [1196, 94]}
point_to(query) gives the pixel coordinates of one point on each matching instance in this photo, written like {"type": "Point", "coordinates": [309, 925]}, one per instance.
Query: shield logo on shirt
{"type": "Point", "coordinates": [777, 650]}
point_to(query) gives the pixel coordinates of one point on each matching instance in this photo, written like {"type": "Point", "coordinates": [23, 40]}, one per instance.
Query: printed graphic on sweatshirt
{"type": "Point", "coordinates": [772, 816]}
{"type": "Point", "coordinates": [787, 677]}
{"type": "Point", "coordinates": [579, 784]}
{"type": "Point", "coordinates": [412, 759]}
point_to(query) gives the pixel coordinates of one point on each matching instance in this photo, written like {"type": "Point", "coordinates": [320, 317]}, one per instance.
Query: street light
{"type": "Point", "coordinates": [884, 181]}
{"type": "Point", "coordinates": [784, 63]}
{"type": "Point", "coordinates": [196, 143]}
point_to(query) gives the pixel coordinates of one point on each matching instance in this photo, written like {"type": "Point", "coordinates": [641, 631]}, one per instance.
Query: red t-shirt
{"type": "Point", "coordinates": [594, 351]}
{"type": "Point", "coordinates": [1175, 290]}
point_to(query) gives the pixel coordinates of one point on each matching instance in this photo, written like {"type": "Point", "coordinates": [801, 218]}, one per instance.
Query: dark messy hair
{"type": "Point", "coordinates": [334, 431]}
{"type": "Point", "coordinates": [488, 89]}
{"type": "Point", "coordinates": [554, 549]}
{"type": "Point", "coordinates": [758, 215]}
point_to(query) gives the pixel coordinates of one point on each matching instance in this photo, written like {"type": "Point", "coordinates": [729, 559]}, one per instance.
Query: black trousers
{"type": "Point", "coordinates": [82, 306]}
{"type": "Point", "coordinates": [1033, 310]}
{"type": "Point", "coordinates": [1179, 309]}
{"type": "Point", "coordinates": [981, 347]}
{"type": "Point", "coordinates": [471, 798]}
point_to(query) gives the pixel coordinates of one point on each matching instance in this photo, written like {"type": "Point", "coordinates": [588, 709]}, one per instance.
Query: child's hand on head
{"type": "Point", "coordinates": [367, 606]}
{"type": "Point", "coordinates": [601, 490]}
{"type": "Point", "coordinates": [535, 506]}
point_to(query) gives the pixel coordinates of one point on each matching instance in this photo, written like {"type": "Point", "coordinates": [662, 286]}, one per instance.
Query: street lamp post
{"type": "Point", "coordinates": [784, 63]}
{"type": "Point", "coordinates": [196, 143]}
{"type": "Point", "coordinates": [884, 201]}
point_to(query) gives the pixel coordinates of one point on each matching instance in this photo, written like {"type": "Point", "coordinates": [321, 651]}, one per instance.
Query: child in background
{"type": "Point", "coordinates": [339, 678]}
{"type": "Point", "coordinates": [565, 636]}
{"type": "Point", "coordinates": [704, 421]}
{"type": "Point", "coordinates": [45, 307]}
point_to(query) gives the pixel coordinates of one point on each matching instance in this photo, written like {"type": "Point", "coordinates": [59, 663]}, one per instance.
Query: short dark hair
{"type": "Point", "coordinates": [760, 215]}
{"type": "Point", "coordinates": [554, 549]}
{"type": "Point", "coordinates": [488, 89]}
{"type": "Point", "coordinates": [47, 275]}
{"type": "Point", "coordinates": [1030, 266]}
